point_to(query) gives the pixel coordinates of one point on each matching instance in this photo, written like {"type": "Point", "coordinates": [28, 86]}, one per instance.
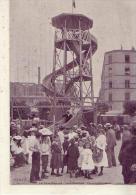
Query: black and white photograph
{"type": "Point", "coordinates": [72, 92]}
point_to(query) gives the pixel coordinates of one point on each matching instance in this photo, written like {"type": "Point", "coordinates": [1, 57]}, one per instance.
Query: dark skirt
{"type": "Point", "coordinates": [56, 161]}
{"type": "Point", "coordinates": [44, 159]}
{"type": "Point", "coordinates": [65, 160]}
{"type": "Point", "coordinates": [19, 159]}
{"type": "Point", "coordinates": [72, 164]}
{"type": "Point", "coordinates": [35, 170]}
{"type": "Point", "coordinates": [118, 135]}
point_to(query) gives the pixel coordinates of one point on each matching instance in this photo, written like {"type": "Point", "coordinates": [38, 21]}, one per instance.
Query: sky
{"type": "Point", "coordinates": [31, 33]}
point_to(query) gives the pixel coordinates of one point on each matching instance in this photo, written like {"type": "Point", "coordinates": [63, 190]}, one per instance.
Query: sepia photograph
{"type": "Point", "coordinates": [72, 92]}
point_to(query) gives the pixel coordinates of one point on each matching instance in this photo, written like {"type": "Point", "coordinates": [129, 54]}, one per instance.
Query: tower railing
{"type": "Point", "coordinates": [73, 34]}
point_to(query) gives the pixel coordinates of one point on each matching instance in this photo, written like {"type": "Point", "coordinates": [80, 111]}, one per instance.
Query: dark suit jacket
{"type": "Point", "coordinates": [111, 138]}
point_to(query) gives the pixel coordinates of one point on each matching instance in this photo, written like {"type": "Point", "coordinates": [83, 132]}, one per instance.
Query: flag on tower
{"type": "Point", "coordinates": [74, 4]}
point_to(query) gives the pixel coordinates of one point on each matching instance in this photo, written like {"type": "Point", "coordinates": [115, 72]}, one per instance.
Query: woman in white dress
{"type": "Point", "coordinates": [87, 161]}
{"type": "Point", "coordinates": [101, 144]}
{"type": "Point", "coordinates": [80, 158]}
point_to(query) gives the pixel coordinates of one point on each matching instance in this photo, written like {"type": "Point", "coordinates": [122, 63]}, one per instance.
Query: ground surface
{"type": "Point", "coordinates": [111, 176]}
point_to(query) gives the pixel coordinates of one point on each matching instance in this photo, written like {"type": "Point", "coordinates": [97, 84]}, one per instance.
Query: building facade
{"type": "Point", "coordinates": [118, 80]}
{"type": "Point", "coordinates": [31, 93]}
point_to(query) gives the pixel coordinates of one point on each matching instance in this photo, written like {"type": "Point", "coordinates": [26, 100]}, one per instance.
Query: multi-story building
{"type": "Point", "coordinates": [118, 80]}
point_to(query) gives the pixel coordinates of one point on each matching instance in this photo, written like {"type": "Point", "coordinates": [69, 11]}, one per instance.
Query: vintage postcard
{"type": "Point", "coordinates": [72, 94]}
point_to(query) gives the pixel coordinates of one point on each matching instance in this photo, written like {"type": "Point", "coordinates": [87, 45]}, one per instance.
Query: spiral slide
{"type": "Point", "coordinates": [48, 80]}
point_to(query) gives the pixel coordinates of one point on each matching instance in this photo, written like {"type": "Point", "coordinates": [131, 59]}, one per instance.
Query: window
{"type": "Point", "coordinates": [127, 96]}
{"type": "Point", "coordinates": [110, 97]}
{"type": "Point", "coordinates": [127, 84]}
{"type": "Point", "coordinates": [110, 59]}
{"type": "Point", "coordinates": [110, 84]}
{"type": "Point", "coordinates": [127, 71]}
{"type": "Point", "coordinates": [127, 59]}
{"type": "Point", "coordinates": [110, 71]}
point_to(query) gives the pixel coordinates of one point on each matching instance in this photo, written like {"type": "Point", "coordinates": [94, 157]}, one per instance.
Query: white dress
{"type": "Point", "coordinates": [87, 162]}
{"type": "Point", "coordinates": [80, 159]}
{"type": "Point", "coordinates": [61, 136]}
{"type": "Point", "coordinates": [31, 140]}
{"type": "Point", "coordinates": [101, 144]}
{"type": "Point", "coordinates": [25, 145]}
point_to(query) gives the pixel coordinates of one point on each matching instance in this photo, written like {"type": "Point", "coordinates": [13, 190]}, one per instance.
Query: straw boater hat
{"type": "Point", "coordinates": [107, 125]}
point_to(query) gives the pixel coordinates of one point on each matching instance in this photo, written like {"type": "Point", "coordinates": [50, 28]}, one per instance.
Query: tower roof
{"type": "Point", "coordinates": [72, 21]}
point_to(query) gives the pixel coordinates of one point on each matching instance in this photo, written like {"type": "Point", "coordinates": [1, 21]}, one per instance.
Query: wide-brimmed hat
{"type": "Point", "coordinates": [45, 131]}
{"type": "Point", "coordinates": [17, 137]}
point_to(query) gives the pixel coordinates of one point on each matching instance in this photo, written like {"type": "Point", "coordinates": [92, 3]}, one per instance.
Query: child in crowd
{"type": "Point", "coordinates": [17, 152]}
{"type": "Point", "coordinates": [87, 162]}
{"type": "Point", "coordinates": [45, 151]}
{"type": "Point", "coordinates": [56, 159]}
{"type": "Point", "coordinates": [65, 149]}
{"type": "Point", "coordinates": [73, 154]}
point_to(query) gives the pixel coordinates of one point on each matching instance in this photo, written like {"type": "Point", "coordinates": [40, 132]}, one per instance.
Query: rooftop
{"type": "Point", "coordinates": [71, 21]}
{"type": "Point", "coordinates": [121, 50]}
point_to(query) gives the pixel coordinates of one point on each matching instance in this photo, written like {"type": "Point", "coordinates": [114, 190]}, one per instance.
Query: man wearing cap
{"type": "Point", "coordinates": [111, 143]}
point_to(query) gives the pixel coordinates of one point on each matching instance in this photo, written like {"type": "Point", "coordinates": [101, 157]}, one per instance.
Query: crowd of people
{"type": "Point", "coordinates": [76, 151]}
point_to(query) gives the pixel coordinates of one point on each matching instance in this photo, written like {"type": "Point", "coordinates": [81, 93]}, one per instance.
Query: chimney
{"type": "Point", "coordinates": [39, 75]}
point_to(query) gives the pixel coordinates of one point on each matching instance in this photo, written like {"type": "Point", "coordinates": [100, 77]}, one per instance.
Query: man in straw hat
{"type": "Point", "coordinates": [111, 143]}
